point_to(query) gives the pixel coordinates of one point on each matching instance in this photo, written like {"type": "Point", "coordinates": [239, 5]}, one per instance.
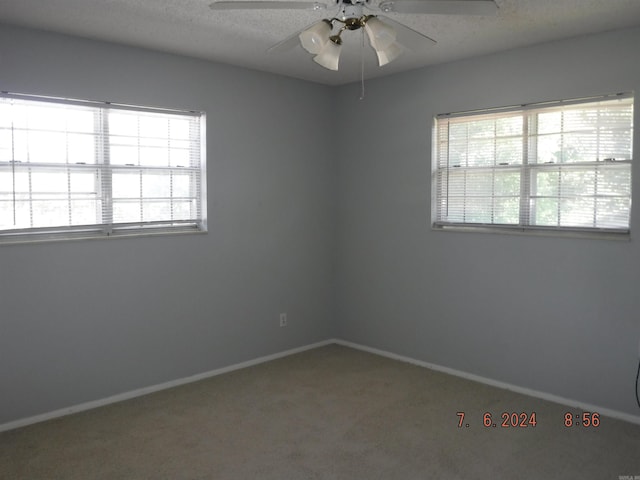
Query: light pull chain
{"type": "Point", "coordinates": [362, 66]}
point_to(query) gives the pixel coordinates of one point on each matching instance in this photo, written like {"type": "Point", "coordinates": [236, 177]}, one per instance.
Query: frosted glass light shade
{"type": "Point", "coordinates": [389, 54]}
{"type": "Point", "coordinates": [380, 34]}
{"type": "Point", "coordinates": [329, 57]}
{"type": "Point", "coordinates": [315, 38]}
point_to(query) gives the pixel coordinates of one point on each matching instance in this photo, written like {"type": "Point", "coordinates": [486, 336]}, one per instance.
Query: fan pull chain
{"type": "Point", "coordinates": [362, 65]}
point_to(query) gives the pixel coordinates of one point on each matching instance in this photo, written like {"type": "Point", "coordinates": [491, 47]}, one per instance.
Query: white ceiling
{"type": "Point", "coordinates": [190, 27]}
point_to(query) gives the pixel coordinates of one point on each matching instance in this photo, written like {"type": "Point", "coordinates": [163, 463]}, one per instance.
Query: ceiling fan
{"type": "Point", "coordinates": [386, 36]}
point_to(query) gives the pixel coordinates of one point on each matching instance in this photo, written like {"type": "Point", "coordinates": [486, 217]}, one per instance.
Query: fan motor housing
{"type": "Point", "coordinates": [351, 11]}
{"type": "Point", "coordinates": [364, 3]}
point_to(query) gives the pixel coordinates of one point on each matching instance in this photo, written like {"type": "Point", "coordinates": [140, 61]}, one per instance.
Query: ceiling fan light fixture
{"type": "Point", "coordinates": [380, 34]}
{"type": "Point", "coordinates": [382, 38]}
{"type": "Point", "coordinates": [329, 57]}
{"type": "Point", "coordinates": [388, 54]}
{"type": "Point", "coordinates": [314, 39]}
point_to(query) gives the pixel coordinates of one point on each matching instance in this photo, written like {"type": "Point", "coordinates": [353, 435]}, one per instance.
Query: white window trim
{"type": "Point", "coordinates": [522, 228]}
{"type": "Point", "coordinates": [108, 228]}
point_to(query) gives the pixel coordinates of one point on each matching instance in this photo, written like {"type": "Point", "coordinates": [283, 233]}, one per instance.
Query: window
{"type": "Point", "coordinates": [556, 166]}
{"type": "Point", "coordinates": [84, 169]}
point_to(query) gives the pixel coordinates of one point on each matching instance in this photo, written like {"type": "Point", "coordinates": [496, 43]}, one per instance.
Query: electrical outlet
{"type": "Point", "coordinates": [283, 319]}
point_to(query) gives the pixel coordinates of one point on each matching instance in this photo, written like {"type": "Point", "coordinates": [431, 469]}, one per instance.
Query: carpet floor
{"type": "Point", "coordinates": [328, 413]}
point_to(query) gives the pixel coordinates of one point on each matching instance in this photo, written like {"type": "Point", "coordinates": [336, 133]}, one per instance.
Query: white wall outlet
{"type": "Point", "coordinates": [283, 319]}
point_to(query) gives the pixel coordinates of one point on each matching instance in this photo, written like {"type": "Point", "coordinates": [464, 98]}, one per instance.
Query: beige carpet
{"type": "Point", "coordinates": [328, 413]}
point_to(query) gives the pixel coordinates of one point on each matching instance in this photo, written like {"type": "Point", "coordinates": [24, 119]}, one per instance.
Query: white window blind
{"type": "Point", "coordinates": [560, 166]}
{"type": "Point", "coordinates": [76, 169]}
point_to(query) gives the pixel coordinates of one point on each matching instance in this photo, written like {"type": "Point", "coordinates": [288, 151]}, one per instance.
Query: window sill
{"type": "Point", "coordinates": [39, 239]}
{"type": "Point", "coordinates": [535, 232]}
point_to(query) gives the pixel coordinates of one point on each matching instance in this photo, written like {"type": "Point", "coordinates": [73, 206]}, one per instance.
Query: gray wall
{"type": "Point", "coordinates": [84, 320]}
{"type": "Point", "coordinates": [551, 314]}
{"type": "Point", "coordinates": [344, 246]}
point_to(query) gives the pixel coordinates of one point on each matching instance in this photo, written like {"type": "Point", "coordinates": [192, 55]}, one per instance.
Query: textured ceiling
{"type": "Point", "coordinates": [190, 27]}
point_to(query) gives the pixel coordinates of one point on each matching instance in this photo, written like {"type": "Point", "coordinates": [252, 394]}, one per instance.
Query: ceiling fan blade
{"type": "Point", "coordinates": [288, 43]}
{"type": "Point", "coordinates": [408, 37]}
{"type": "Point", "coordinates": [267, 5]}
{"type": "Point", "coordinates": [440, 7]}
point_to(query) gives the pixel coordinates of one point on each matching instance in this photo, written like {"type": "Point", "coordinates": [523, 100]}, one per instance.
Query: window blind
{"type": "Point", "coordinates": [73, 168]}
{"type": "Point", "coordinates": [559, 166]}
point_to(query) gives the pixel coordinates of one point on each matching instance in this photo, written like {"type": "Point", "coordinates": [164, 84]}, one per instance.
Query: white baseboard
{"type": "Point", "coordinates": [494, 383]}
{"type": "Point", "coordinates": [201, 376]}
{"type": "Point", "coordinates": [23, 422]}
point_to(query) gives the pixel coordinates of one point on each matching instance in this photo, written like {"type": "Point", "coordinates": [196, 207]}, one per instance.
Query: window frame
{"type": "Point", "coordinates": [103, 170]}
{"type": "Point", "coordinates": [526, 171]}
